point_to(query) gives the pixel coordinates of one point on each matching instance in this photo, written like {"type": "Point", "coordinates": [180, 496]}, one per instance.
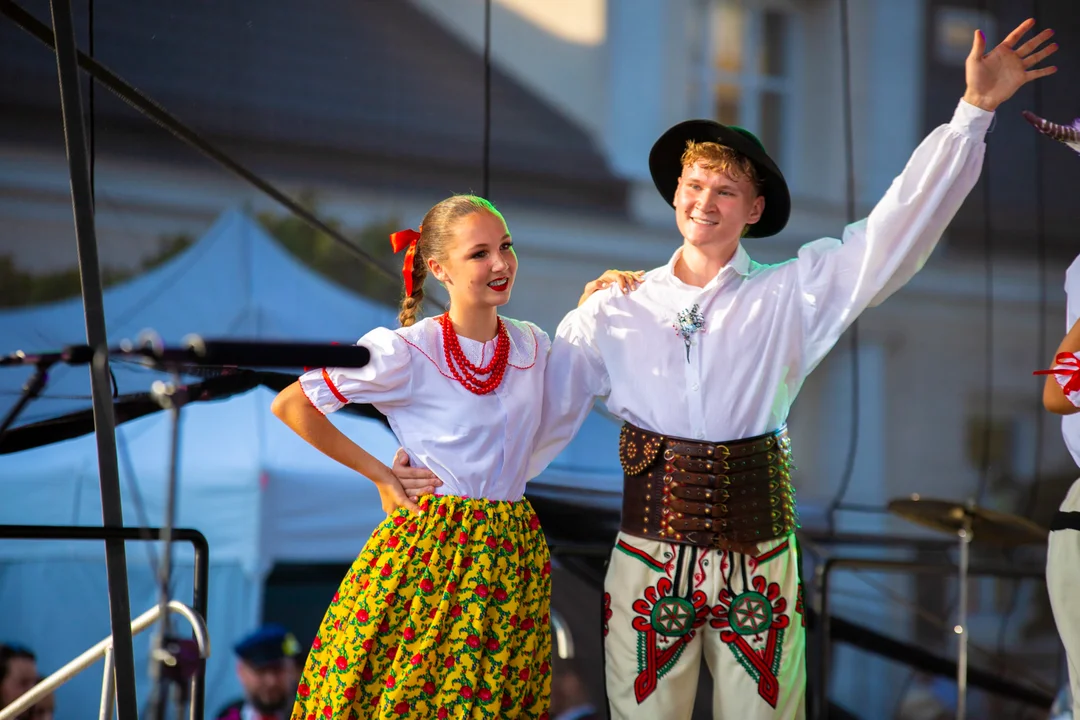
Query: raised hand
{"type": "Point", "coordinates": [993, 77]}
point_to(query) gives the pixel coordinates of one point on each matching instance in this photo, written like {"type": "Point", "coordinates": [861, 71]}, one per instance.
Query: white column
{"type": "Point", "coordinates": [892, 117]}
{"type": "Point", "coordinates": [636, 72]}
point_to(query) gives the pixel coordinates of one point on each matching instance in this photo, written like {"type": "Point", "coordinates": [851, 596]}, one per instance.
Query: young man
{"type": "Point", "coordinates": [1061, 395]}
{"type": "Point", "coordinates": [702, 363]}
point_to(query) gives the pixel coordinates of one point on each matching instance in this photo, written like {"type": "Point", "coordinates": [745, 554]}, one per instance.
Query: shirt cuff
{"type": "Point", "coordinates": [971, 120]}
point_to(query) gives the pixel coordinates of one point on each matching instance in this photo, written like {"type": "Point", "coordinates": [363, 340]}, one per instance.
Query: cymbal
{"type": "Point", "coordinates": [987, 526]}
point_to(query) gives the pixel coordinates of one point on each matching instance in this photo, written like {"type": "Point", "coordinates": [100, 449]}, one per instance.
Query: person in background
{"type": "Point", "coordinates": [569, 696]}
{"type": "Point", "coordinates": [18, 672]}
{"type": "Point", "coordinates": [268, 666]}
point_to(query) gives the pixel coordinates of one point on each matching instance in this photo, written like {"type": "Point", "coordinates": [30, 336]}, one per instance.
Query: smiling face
{"type": "Point", "coordinates": [717, 197]}
{"type": "Point", "coordinates": [479, 263]}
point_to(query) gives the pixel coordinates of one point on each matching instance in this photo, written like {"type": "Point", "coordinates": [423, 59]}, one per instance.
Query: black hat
{"type": "Point", "coordinates": [665, 164]}
{"type": "Point", "coordinates": [268, 644]}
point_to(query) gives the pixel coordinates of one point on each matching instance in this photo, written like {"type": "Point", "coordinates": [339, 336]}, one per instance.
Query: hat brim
{"type": "Point", "coordinates": [665, 164]}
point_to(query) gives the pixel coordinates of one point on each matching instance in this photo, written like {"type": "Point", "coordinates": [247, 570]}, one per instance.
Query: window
{"type": "Point", "coordinates": [747, 68]}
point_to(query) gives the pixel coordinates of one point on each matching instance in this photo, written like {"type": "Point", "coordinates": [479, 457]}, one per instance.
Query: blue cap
{"type": "Point", "coordinates": [268, 644]}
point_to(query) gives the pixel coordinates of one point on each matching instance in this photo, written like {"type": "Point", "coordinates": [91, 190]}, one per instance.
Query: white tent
{"type": "Point", "coordinates": [257, 492]}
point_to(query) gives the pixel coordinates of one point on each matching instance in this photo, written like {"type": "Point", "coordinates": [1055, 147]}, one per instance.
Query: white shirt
{"type": "Point", "coordinates": [1070, 424]}
{"type": "Point", "coordinates": [478, 445]}
{"type": "Point", "coordinates": [765, 326]}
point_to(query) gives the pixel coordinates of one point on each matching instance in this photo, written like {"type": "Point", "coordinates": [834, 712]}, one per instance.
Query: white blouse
{"type": "Point", "coordinates": [478, 445]}
{"type": "Point", "coordinates": [764, 327]}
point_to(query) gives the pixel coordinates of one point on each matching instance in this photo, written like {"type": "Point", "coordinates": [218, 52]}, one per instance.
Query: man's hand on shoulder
{"type": "Point", "coordinates": [627, 281]}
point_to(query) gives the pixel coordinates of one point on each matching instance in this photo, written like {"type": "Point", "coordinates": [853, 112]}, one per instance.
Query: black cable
{"type": "Point", "coordinates": [849, 163]}
{"type": "Point", "coordinates": [1040, 348]}
{"type": "Point", "coordinates": [90, 112]}
{"type": "Point", "coordinates": [988, 389]}
{"type": "Point", "coordinates": [486, 170]}
{"type": "Point", "coordinates": [1040, 245]}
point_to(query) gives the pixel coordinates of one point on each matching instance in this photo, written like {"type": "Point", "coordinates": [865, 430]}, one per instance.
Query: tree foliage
{"type": "Point", "coordinates": [316, 249]}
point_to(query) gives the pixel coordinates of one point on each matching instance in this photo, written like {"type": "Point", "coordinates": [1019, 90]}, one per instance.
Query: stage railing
{"type": "Point", "coordinates": [825, 633]}
{"type": "Point", "coordinates": [200, 579]}
{"type": "Point", "coordinates": [105, 648]}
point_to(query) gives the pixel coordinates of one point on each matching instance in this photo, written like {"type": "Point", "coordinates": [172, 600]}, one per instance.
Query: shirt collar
{"type": "Point", "coordinates": [740, 263]}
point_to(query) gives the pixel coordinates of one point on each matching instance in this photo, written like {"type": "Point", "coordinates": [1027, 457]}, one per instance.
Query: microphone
{"type": "Point", "coordinates": [72, 355]}
{"type": "Point", "coordinates": [197, 351]}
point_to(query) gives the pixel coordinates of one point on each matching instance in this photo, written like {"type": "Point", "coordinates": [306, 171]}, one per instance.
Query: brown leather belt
{"type": "Point", "coordinates": [725, 496]}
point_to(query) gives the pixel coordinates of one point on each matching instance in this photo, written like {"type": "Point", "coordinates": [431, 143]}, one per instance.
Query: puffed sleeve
{"type": "Point", "coordinates": [385, 380]}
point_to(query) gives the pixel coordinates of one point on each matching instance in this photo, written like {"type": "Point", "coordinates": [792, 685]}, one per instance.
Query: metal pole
{"type": "Point", "coordinates": [93, 304]}
{"type": "Point", "coordinates": [108, 691]}
{"type": "Point", "coordinates": [962, 627]}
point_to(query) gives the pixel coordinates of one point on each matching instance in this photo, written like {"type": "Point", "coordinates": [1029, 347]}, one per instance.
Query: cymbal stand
{"type": "Point", "coordinates": [961, 629]}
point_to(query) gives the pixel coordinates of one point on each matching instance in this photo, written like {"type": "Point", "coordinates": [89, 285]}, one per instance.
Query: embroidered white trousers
{"type": "Point", "coordinates": [668, 606]}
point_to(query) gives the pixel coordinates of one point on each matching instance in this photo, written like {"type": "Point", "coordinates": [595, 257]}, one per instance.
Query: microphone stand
{"type": "Point", "coordinates": [31, 390]}
{"type": "Point", "coordinates": [174, 661]}
{"type": "Point", "coordinates": [164, 653]}
{"type": "Point", "coordinates": [72, 355]}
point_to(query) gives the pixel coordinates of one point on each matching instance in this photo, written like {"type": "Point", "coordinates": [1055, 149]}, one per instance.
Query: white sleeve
{"type": "Point", "coordinates": [879, 254]}
{"type": "Point", "coordinates": [386, 379]}
{"type": "Point", "coordinates": [1072, 294]}
{"type": "Point", "coordinates": [574, 377]}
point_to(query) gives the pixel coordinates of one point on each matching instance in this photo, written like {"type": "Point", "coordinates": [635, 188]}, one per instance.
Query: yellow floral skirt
{"type": "Point", "coordinates": [445, 615]}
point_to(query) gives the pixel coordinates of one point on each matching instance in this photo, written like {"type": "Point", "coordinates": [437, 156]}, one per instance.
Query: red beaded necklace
{"type": "Point", "coordinates": [468, 374]}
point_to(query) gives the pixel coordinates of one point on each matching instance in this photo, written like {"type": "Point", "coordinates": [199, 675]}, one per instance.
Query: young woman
{"type": "Point", "coordinates": [445, 612]}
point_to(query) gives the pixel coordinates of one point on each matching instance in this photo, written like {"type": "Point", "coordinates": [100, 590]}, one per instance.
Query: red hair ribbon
{"type": "Point", "coordinates": [406, 240]}
{"type": "Point", "coordinates": [1071, 370]}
